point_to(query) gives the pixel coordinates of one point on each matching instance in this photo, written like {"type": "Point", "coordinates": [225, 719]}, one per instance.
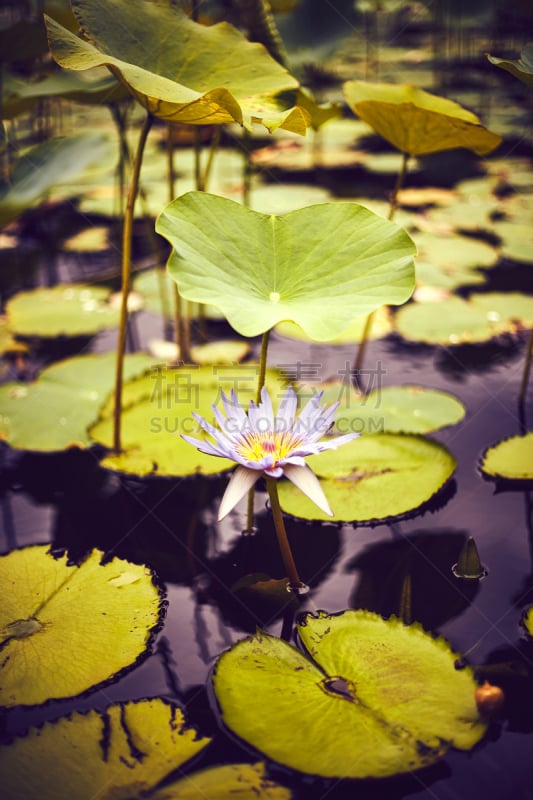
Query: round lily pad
{"type": "Point", "coordinates": [54, 412]}
{"type": "Point", "coordinates": [321, 266]}
{"type": "Point", "coordinates": [381, 326]}
{"type": "Point", "coordinates": [510, 459]}
{"type": "Point", "coordinates": [64, 310]}
{"type": "Point", "coordinates": [373, 478]}
{"type": "Point", "coordinates": [86, 623]}
{"type": "Point", "coordinates": [517, 241]}
{"type": "Point", "coordinates": [375, 697]}
{"type": "Point", "coordinates": [451, 321]}
{"type": "Point", "coordinates": [392, 409]}
{"type": "Point", "coordinates": [158, 407]}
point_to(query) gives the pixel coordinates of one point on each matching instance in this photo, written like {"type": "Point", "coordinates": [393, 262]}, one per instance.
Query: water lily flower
{"type": "Point", "coordinates": [263, 443]}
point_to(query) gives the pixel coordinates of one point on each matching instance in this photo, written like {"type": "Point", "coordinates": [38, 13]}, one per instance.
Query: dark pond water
{"type": "Point", "coordinates": [69, 501]}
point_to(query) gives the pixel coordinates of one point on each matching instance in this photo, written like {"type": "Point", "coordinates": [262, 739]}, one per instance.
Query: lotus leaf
{"type": "Point", "coordinates": [85, 623]}
{"type": "Point", "coordinates": [381, 326]}
{"type": "Point", "coordinates": [54, 411]}
{"type": "Point", "coordinates": [375, 697]}
{"type": "Point", "coordinates": [511, 459]}
{"type": "Point", "coordinates": [321, 266]}
{"type": "Point", "coordinates": [374, 477]}
{"type": "Point", "coordinates": [20, 96]}
{"type": "Point", "coordinates": [177, 69]}
{"type": "Point", "coordinates": [417, 122]}
{"type": "Point", "coordinates": [521, 68]}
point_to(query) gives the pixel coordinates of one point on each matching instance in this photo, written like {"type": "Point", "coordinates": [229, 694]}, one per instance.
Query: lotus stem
{"type": "Point", "coordinates": [527, 369]}
{"type": "Point", "coordinates": [295, 583]}
{"type": "Point", "coordinates": [393, 205]}
{"type": "Point", "coordinates": [126, 279]}
{"type": "Point", "coordinates": [260, 384]}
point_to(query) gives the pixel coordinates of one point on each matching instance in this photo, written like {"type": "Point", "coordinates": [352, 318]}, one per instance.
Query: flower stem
{"type": "Point", "coordinates": [295, 583]}
{"type": "Point", "coordinates": [126, 279]}
{"type": "Point", "coordinates": [260, 384]}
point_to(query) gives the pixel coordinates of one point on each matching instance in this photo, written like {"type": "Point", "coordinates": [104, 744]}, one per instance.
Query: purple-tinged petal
{"type": "Point", "coordinates": [307, 482]}
{"type": "Point", "coordinates": [239, 484]}
{"type": "Point", "coordinates": [287, 411]}
{"type": "Point", "coordinates": [266, 410]}
{"type": "Point", "coordinates": [206, 447]}
{"type": "Point", "coordinates": [275, 472]}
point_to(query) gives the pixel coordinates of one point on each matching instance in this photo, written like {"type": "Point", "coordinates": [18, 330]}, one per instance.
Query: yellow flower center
{"type": "Point", "coordinates": [256, 446]}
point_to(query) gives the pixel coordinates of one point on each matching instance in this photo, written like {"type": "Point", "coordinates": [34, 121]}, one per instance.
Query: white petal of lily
{"type": "Point", "coordinates": [207, 447]}
{"type": "Point", "coordinates": [287, 411]}
{"type": "Point", "coordinates": [240, 482]}
{"type": "Point", "coordinates": [307, 482]}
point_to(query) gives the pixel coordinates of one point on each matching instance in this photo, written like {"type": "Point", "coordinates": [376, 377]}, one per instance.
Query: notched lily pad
{"type": "Point", "coordinates": [375, 697]}
{"type": "Point", "coordinates": [374, 478]}
{"type": "Point", "coordinates": [54, 412]}
{"type": "Point", "coordinates": [63, 310]}
{"type": "Point", "coordinates": [321, 266]}
{"type": "Point", "coordinates": [417, 122]}
{"type": "Point", "coordinates": [184, 72]}
{"type": "Point", "coordinates": [510, 459]}
{"type": "Point", "coordinates": [55, 613]}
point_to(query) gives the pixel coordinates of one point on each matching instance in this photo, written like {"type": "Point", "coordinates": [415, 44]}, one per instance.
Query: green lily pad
{"type": "Point", "coordinates": [511, 459]}
{"type": "Point", "coordinates": [20, 96]}
{"type": "Point", "coordinates": [321, 266]}
{"type": "Point", "coordinates": [221, 351]}
{"type": "Point", "coordinates": [92, 240]}
{"type": "Point", "coordinates": [527, 620]}
{"type": "Point", "coordinates": [381, 326]}
{"type": "Point", "coordinates": [46, 164]}
{"type": "Point", "coordinates": [392, 409]}
{"type": "Point", "coordinates": [184, 72]}
{"type": "Point", "coordinates": [158, 407]}
{"type": "Point", "coordinates": [7, 343]}
{"type": "Point", "coordinates": [54, 411]}
{"type": "Point", "coordinates": [522, 68]}
{"type": "Point", "coordinates": [128, 749]}
{"type": "Point", "coordinates": [76, 309]}
{"type": "Point", "coordinates": [374, 477]}
{"type": "Point", "coordinates": [517, 241]}
{"type": "Point", "coordinates": [99, 617]}
{"type": "Point", "coordinates": [157, 290]}
{"type": "Point", "coordinates": [458, 321]}
{"type": "Point", "coordinates": [417, 122]}
{"type": "Point", "coordinates": [375, 697]}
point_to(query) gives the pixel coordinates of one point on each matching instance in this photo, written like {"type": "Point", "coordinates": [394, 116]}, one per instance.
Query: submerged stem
{"type": "Point", "coordinates": [295, 582]}
{"type": "Point", "coordinates": [126, 279]}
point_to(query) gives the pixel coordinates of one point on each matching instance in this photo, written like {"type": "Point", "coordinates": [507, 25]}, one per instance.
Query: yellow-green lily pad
{"type": "Point", "coordinates": [510, 459]}
{"type": "Point", "coordinates": [184, 72]}
{"type": "Point", "coordinates": [54, 412]}
{"type": "Point", "coordinates": [64, 310]}
{"type": "Point", "coordinates": [375, 697]}
{"type": "Point", "coordinates": [85, 623]}
{"type": "Point", "coordinates": [374, 477]}
{"type": "Point", "coordinates": [417, 122]}
{"type": "Point", "coordinates": [320, 266]}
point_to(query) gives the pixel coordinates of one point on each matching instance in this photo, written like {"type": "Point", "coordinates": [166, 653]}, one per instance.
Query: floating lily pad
{"type": "Point", "coordinates": [517, 241]}
{"type": "Point", "coordinates": [279, 198]}
{"type": "Point", "coordinates": [376, 698]}
{"type": "Point", "coordinates": [374, 477]}
{"type": "Point", "coordinates": [46, 164]}
{"type": "Point", "coordinates": [54, 411]}
{"type": "Point", "coordinates": [527, 620]}
{"type": "Point", "coordinates": [320, 266]}
{"type": "Point", "coordinates": [184, 72]}
{"type": "Point", "coordinates": [222, 351]}
{"type": "Point", "coordinates": [417, 122]}
{"type": "Point", "coordinates": [7, 343]}
{"type": "Point", "coordinates": [392, 409]}
{"type": "Point", "coordinates": [99, 619]}
{"type": "Point", "coordinates": [160, 406]}
{"type": "Point", "coordinates": [157, 290]}
{"type": "Point", "coordinates": [92, 240]}
{"type": "Point", "coordinates": [522, 68]}
{"type": "Point", "coordinates": [381, 326]}
{"type": "Point", "coordinates": [64, 310]}
{"type": "Point", "coordinates": [511, 459]}
{"type": "Point", "coordinates": [460, 321]}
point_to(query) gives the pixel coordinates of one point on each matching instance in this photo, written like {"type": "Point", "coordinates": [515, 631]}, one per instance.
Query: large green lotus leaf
{"type": "Point", "coordinates": [321, 266]}
{"type": "Point", "coordinates": [452, 321]}
{"type": "Point", "coordinates": [75, 309]}
{"type": "Point", "coordinates": [522, 68]}
{"type": "Point", "coordinates": [46, 164]}
{"type": "Point", "coordinates": [160, 406]}
{"type": "Point", "coordinates": [415, 121]}
{"type": "Point", "coordinates": [391, 409]}
{"type": "Point", "coordinates": [183, 71]}
{"type": "Point", "coordinates": [54, 411]}
{"type": "Point", "coordinates": [375, 697]}
{"type": "Point", "coordinates": [85, 623]}
{"type": "Point", "coordinates": [511, 458]}
{"type": "Point", "coordinates": [123, 752]}
{"type": "Point", "coordinates": [381, 326]}
{"type": "Point", "coordinates": [374, 477]}
{"type": "Point", "coordinates": [21, 96]}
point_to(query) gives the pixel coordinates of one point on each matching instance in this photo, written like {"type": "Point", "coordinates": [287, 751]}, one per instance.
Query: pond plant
{"type": "Point", "coordinates": [140, 654]}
